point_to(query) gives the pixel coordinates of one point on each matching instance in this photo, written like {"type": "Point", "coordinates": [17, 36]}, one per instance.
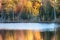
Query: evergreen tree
{"type": "Point", "coordinates": [41, 13]}
{"type": "Point", "coordinates": [49, 11]}
{"type": "Point", "coordinates": [24, 15]}
{"type": "Point", "coordinates": [48, 35]}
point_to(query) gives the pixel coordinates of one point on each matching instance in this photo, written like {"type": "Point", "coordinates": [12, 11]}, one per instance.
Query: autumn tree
{"type": "Point", "coordinates": [8, 8]}
{"type": "Point", "coordinates": [0, 7]}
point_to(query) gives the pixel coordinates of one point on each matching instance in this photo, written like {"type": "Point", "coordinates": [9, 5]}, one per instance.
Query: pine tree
{"type": "Point", "coordinates": [24, 15]}
{"type": "Point", "coordinates": [42, 13]}
{"type": "Point", "coordinates": [48, 35]}
{"type": "Point", "coordinates": [49, 11]}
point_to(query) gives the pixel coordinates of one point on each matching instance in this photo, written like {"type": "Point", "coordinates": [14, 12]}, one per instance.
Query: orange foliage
{"type": "Point", "coordinates": [0, 37]}
{"type": "Point", "coordinates": [36, 7]}
{"type": "Point", "coordinates": [19, 35]}
{"type": "Point", "coordinates": [20, 6]}
{"type": "Point", "coordinates": [23, 35]}
{"type": "Point", "coordinates": [0, 5]}
{"type": "Point", "coordinates": [9, 36]}
{"type": "Point", "coordinates": [37, 35]}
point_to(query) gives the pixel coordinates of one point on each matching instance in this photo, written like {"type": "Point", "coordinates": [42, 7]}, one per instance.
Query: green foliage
{"type": "Point", "coordinates": [24, 14]}
{"type": "Point", "coordinates": [49, 11]}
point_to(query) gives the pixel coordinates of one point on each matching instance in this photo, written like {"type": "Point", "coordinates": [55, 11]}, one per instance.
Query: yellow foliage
{"type": "Point", "coordinates": [14, 36]}
{"type": "Point", "coordinates": [29, 35]}
{"type": "Point", "coordinates": [9, 36]}
{"type": "Point", "coordinates": [37, 35]}
{"type": "Point", "coordinates": [39, 0]}
{"type": "Point", "coordinates": [9, 5]}
{"type": "Point", "coordinates": [28, 6]}
{"type": "Point", "coordinates": [19, 35]}
{"type": "Point", "coordinates": [35, 10]}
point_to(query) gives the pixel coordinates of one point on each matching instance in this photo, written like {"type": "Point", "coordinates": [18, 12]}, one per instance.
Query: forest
{"type": "Point", "coordinates": [26, 11]}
